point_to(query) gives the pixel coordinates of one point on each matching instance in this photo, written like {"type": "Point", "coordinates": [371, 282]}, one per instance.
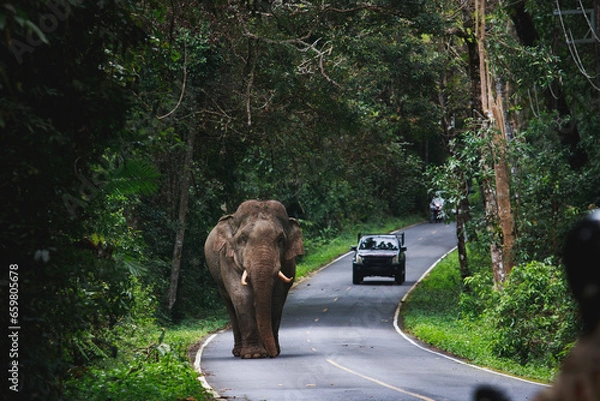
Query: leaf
{"type": "Point", "coordinates": [163, 349]}
{"type": "Point", "coordinates": [33, 27]}
{"type": "Point", "coordinates": [132, 265]}
{"type": "Point", "coordinates": [175, 56]}
{"type": "Point", "coordinates": [133, 177]}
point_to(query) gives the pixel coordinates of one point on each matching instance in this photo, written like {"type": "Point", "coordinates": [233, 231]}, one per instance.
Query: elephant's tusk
{"type": "Point", "coordinates": [244, 277]}
{"type": "Point", "coordinates": [284, 278]}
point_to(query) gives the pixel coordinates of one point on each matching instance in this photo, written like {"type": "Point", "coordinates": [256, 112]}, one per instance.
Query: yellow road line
{"type": "Point", "coordinates": [419, 396]}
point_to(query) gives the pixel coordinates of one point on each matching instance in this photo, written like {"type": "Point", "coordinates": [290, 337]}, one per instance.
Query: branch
{"type": "Point", "coordinates": [248, 93]}
{"type": "Point", "coordinates": [182, 85]}
{"type": "Point", "coordinates": [355, 9]}
{"type": "Point", "coordinates": [321, 55]}
{"type": "Point", "coordinates": [573, 50]}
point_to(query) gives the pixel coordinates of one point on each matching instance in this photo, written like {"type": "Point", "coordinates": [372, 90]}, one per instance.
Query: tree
{"type": "Point", "coordinates": [181, 223]}
{"type": "Point", "coordinates": [63, 107]}
{"type": "Point", "coordinates": [497, 198]}
{"type": "Point", "coordinates": [488, 120]}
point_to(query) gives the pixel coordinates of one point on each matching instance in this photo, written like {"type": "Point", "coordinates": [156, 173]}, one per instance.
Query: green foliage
{"type": "Point", "coordinates": [145, 362]}
{"type": "Point", "coordinates": [535, 315]}
{"type": "Point", "coordinates": [168, 378]}
{"type": "Point", "coordinates": [129, 177]}
{"type": "Point", "coordinates": [463, 165]}
{"type": "Point", "coordinates": [159, 371]}
{"type": "Point", "coordinates": [533, 318]}
{"type": "Point", "coordinates": [62, 108]}
{"type": "Point", "coordinates": [335, 113]}
{"type": "Point", "coordinates": [553, 195]}
{"type": "Point", "coordinates": [478, 293]}
{"type": "Point", "coordinates": [527, 329]}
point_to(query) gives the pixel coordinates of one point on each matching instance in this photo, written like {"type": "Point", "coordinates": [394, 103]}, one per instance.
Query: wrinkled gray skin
{"type": "Point", "coordinates": [262, 240]}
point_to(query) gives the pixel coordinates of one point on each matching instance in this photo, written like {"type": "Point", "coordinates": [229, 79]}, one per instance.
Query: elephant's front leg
{"type": "Point", "coordinates": [248, 344]}
{"type": "Point", "coordinates": [279, 296]}
{"type": "Point", "coordinates": [251, 344]}
{"type": "Point", "coordinates": [235, 327]}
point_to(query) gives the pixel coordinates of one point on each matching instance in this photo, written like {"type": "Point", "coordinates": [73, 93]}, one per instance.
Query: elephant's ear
{"type": "Point", "coordinates": [224, 232]}
{"type": "Point", "coordinates": [295, 245]}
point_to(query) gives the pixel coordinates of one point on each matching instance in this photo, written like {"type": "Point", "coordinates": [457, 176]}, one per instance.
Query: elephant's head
{"type": "Point", "coordinates": [262, 242]}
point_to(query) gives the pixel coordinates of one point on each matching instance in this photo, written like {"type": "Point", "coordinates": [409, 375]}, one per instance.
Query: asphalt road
{"type": "Point", "coordinates": [339, 342]}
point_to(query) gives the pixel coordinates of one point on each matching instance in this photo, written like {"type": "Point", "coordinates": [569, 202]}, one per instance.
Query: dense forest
{"type": "Point", "coordinates": [129, 127]}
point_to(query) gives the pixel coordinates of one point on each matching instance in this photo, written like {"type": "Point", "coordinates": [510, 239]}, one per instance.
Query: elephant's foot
{"type": "Point", "coordinates": [253, 352]}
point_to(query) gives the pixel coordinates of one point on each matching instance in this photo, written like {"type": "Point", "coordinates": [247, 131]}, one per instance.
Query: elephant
{"type": "Point", "coordinates": [251, 254]}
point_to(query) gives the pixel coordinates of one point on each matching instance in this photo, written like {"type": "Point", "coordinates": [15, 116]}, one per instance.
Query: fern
{"type": "Point", "coordinates": [132, 177]}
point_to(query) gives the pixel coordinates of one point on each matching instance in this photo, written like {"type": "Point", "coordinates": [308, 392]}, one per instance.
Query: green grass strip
{"type": "Point", "coordinates": [432, 313]}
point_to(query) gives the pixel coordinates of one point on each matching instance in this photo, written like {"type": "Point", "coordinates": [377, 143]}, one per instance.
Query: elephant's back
{"type": "Point", "coordinates": [210, 254]}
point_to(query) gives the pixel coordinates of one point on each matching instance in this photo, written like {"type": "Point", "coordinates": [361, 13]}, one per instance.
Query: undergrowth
{"type": "Point", "coordinates": [525, 330]}
{"type": "Point", "coordinates": [149, 362]}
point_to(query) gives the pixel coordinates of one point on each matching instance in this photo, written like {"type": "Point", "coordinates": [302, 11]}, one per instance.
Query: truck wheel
{"type": "Point", "coordinates": [400, 276]}
{"type": "Point", "coordinates": [356, 277]}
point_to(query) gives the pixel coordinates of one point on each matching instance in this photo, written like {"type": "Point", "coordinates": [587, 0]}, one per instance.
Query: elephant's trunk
{"type": "Point", "coordinates": [263, 297]}
{"type": "Point", "coordinates": [265, 324]}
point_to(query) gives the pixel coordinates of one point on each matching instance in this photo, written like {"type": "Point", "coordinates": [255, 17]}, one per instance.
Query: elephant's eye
{"type": "Point", "coordinates": [280, 240]}
{"type": "Point", "coordinates": [243, 238]}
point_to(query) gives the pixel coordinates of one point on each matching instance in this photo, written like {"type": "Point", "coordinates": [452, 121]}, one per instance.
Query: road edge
{"type": "Point", "coordinates": [198, 360]}
{"type": "Point", "coordinates": [198, 368]}
{"type": "Point", "coordinates": [415, 343]}
{"type": "Point", "coordinates": [216, 396]}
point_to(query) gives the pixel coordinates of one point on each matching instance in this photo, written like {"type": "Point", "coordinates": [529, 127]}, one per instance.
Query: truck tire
{"type": "Point", "coordinates": [357, 278]}
{"type": "Point", "coordinates": [401, 275]}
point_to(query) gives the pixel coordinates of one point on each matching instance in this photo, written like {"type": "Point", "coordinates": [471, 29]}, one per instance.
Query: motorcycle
{"type": "Point", "coordinates": [437, 211]}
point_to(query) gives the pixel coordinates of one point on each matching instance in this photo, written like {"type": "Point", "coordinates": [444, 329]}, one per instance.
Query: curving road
{"type": "Point", "coordinates": [339, 342]}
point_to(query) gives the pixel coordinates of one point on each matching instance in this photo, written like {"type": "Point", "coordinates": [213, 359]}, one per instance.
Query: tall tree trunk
{"type": "Point", "coordinates": [502, 172]}
{"type": "Point", "coordinates": [179, 236]}
{"type": "Point", "coordinates": [491, 216]}
{"type": "Point", "coordinates": [462, 216]}
{"type": "Point", "coordinates": [496, 194]}
{"type": "Point", "coordinates": [475, 20]}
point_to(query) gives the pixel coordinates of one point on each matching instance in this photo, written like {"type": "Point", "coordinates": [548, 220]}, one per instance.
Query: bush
{"type": "Point", "coordinates": [535, 315]}
{"type": "Point", "coordinates": [478, 289]}
{"type": "Point", "coordinates": [477, 295]}
{"type": "Point", "coordinates": [158, 374]}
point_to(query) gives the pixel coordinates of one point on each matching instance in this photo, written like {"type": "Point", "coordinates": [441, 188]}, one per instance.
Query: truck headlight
{"type": "Point", "coordinates": [395, 260]}
{"type": "Point", "coordinates": [358, 260]}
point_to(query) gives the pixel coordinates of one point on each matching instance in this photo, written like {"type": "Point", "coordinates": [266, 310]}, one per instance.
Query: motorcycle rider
{"type": "Point", "coordinates": [436, 207]}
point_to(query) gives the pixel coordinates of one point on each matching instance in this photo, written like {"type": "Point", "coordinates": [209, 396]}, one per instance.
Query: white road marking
{"type": "Point", "coordinates": [217, 396]}
{"type": "Point", "coordinates": [416, 344]}
{"type": "Point", "coordinates": [197, 366]}
{"type": "Point", "coordinates": [384, 384]}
